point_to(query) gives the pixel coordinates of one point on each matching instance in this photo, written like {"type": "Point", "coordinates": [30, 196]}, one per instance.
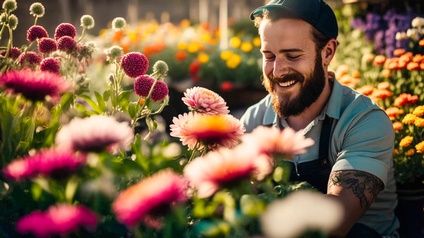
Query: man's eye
{"type": "Point", "coordinates": [293, 57]}
{"type": "Point", "coordinates": [269, 58]}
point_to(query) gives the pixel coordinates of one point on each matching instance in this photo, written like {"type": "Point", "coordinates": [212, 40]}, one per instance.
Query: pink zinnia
{"type": "Point", "coordinates": [273, 141]}
{"type": "Point", "coordinates": [36, 32]}
{"type": "Point", "coordinates": [33, 85]}
{"type": "Point", "coordinates": [95, 133]}
{"type": "Point", "coordinates": [144, 83]}
{"type": "Point", "coordinates": [47, 45]}
{"type": "Point", "coordinates": [205, 101]}
{"type": "Point", "coordinates": [134, 64]}
{"type": "Point", "coordinates": [60, 219]}
{"type": "Point", "coordinates": [66, 43]}
{"type": "Point", "coordinates": [148, 199]}
{"type": "Point", "coordinates": [29, 59]}
{"type": "Point", "coordinates": [195, 129]}
{"type": "Point", "coordinates": [46, 162]}
{"type": "Point", "coordinates": [50, 64]}
{"type": "Point", "coordinates": [226, 166]}
{"type": "Point", "coordinates": [65, 29]}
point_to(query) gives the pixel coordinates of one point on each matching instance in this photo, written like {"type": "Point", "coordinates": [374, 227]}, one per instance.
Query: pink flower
{"type": "Point", "coordinates": [226, 166]}
{"type": "Point", "coordinates": [50, 64]}
{"type": "Point", "coordinates": [134, 64]}
{"type": "Point", "coordinates": [95, 133]}
{"type": "Point", "coordinates": [66, 43]}
{"type": "Point", "coordinates": [29, 59]}
{"type": "Point", "coordinates": [144, 83]}
{"type": "Point", "coordinates": [273, 141]}
{"type": "Point", "coordinates": [205, 101]}
{"type": "Point", "coordinates": [144, 200]}
{"type": "Point", "coordinates": [47, 45]}
{"type": "Point", "coordinates": [65, 29]}
{"type": "Point", "coordinates": [33, 85]}
{"type": "Point", "coordinates": [60, 219]}
{"type": "Point", "coordinates": [36, 32]}
{"type": "Point", "coordinates": [46, 162]}
{"type": "Point", "coordinates": [14, 53]}
{"type": "Point", "coordinates": [195, 129]}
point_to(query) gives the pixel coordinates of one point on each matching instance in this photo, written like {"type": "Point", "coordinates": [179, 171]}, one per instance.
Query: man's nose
{"type": "Point", "coordinates": [280, 70]}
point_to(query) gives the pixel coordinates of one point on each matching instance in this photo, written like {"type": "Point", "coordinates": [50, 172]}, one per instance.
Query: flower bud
{"type": "Point", "coordinates": [160, 67]}
{"type": "Point", "coordinates": [87, 21]}
{"type": "Point", "coordinates": [37, 9]}
{"type": "Point", "coordinates": [10, 5]}
{"type": "Point", "coordinates": [118, 23]}
{"type": "Point", "coordinates": [13, 21]}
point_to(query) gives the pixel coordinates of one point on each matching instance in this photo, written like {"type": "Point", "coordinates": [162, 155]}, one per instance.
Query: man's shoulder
{"type": "Point", "coordinates": [260, 113]}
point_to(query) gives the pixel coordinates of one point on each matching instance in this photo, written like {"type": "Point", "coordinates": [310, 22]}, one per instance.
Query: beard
{"type": "Point", "coordinates": [311, 89]}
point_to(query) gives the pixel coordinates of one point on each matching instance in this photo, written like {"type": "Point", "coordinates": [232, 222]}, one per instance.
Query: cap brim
{"type": "Point", "coordinates": [259, 10]}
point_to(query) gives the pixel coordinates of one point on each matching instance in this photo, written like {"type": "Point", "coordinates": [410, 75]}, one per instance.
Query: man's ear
{"type": "Point", "coordinates": [329, 51]}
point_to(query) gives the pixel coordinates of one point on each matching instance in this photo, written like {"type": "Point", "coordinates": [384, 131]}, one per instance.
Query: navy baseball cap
{"type": "Point", "coordinates": [316, 12]}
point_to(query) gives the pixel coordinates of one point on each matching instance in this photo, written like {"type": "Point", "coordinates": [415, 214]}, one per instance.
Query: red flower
{"type": "Point", "coordinates": [65, 29]}
{"type": "Point", "coordinates": [14, 53]}
{"type": "Point", "coordinates": [226, 86]}
{"type": "Point", "coordinates": [29, 59]}
{"type": "Point", "coordinates": [134, 64]}
{"type": "Point", "coordinates": [66, 43]}
{"type": "Point", "coordinates": [47, 45]}
{"type": "Point", "coordinates": [144, 83]}
{"type": "Point", "coordinates": [51, 65]}
{"type": "Point", "coordinates": [36, 32]}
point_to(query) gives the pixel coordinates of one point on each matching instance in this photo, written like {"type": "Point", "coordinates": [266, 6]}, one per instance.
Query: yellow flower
{"type": "Point", "coordinates": [419, 111]}
{"type": "Point", "coordinates": [193, 47]}
{"type": "Point", "coordinates": [420, 147]}
{"type": "Point", "coordinates": [203, 58]}
{"type": "Point", "coordinates": [182, 46]}
{"type": "Point", "coordinates": [225, 54]}
{"type": "Point", "coordinates": [246, 47]}
{"type": "Point", "coordinates": [256, 41]}
{"type": "Point", "coordinates": [235, 42]}
{"type": "Point", "coordinates": [233, 61]}
{"type": "Point", "coordinates": [406, 141]}
{"type": "Point", "coordinates": [206, 38]}
{"type": "Point", "coordinates": [419, 122]}
{"type": "Point", "coordinates": [410, 152]}
{"type": "Point", "coordinates": [409, 119]}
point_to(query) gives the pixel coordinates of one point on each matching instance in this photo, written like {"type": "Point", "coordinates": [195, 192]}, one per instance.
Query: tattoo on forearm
{"type": "Point", "coordinates": [361, 183]}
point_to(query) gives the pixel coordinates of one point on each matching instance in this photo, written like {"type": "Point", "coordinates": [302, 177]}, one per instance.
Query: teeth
{"type": "Point", "coordinates": [286, 84]}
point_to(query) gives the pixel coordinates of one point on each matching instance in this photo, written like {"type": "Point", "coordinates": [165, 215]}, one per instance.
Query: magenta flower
{"type": "Point", "coordinates": [60, 219]}
{"type": "Point", "coordinates": [199, 130]}
{"type": "Point", "coordinates": [65, 29]}
{"type": "Point", "coordinates": [14, 53]}
{"type": "Point", "coordinates": [273, 141]}
{"type": "Point", "coordinates": [144, 83]}
{"type": "Point", "coordinates": [134, 64]}
{"type": "Point", "coordinates": [149, 199]}
{"type": "Point", "coordinates": [29, 59]}
{"type": "Point", "coordinates": [205, 101]}
{"type": "Point", "coordinates": [46, 162]}
{"type": "Point", "coordinates": [95, 133]}
{"type": "Point", "coordinates": [66, 43]}
{"type": "Point", "coordinates": [50, 64]}
{"type": "Point", "coordinates": [47, 45]}
{"type": "Point", "coordinates": [225, 166]}
{"type": "Point", "coordinates": [33, 85]}
{"type": "Point", "coordinates": [36, 32]}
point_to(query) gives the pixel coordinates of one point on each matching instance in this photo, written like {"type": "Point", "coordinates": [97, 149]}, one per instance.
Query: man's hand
{"type": "Point", "coordinates": [356, 190]}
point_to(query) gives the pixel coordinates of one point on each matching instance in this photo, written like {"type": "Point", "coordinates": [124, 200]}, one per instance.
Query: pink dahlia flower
{"type": "Point", "coordinates": [95, 133]}
{"type": "Point", "coordinates": [47, 45]}
{"type": "Point", "coordinates": [144, 83]}
{"type": "Point", "coordinates": [148, 199]}
{"type": "Point", "coordinates": [205, 101]}
{"type": "Point", "coordinates": [46, 162]}
{"type": "Point", "coordinates": [226, 166]}
{"type": "Point", "coordinates": [33, 85]}
{"type": "Point", "coordinates": [29, 59]}
{"type": "Point", "coordinates": [65, 29]}
{"type": "Point", "coordinates": [273, 141]}
{"type": "Point", "coordinates": [50, 64]}
{"type": "Point", "coordinates": [66, 43]}
{"type": "Point", "coordinates": [36, 32]}
{"type": "Point", "coordinates": [60, 219]}
{"type": "Point", "coordinates": [134, 64]}
{"type": "Point", "coordinates": [195, 129]}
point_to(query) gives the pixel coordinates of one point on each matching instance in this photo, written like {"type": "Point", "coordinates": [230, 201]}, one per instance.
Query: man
{"type": "Point", "coordinates": [351, 160]}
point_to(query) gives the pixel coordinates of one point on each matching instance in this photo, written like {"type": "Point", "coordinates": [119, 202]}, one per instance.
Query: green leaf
{"type": "Point", "coordinates": [100, 101]}
{"type": "Point", "coordinates": [92, 103]}
{"type": "Point", "coordinates": [133, 109]}
{"type": "Point", "coordinates": [124, 99]}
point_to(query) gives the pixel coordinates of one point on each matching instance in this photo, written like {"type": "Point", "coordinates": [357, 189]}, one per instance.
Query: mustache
{"type": "Point", "coordinates": [288, 77]}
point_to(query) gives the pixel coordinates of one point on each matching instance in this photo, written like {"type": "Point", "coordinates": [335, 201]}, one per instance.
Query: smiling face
{"type": "Point", "coordinates": [292, 68]}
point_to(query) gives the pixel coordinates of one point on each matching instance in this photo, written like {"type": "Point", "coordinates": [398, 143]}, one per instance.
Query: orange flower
{"type": "Point", "coordinates": [417, 58]}
{"type": "Point", "coordinates": [419, 122]}
{"type": "Point", "coordinates": [181, 55]}
{"type": "Point", "coordinates": [386, 73]}
{"type": "Point", "coordinates": [410, 152]}
{"type": "Point", "coordinates": [356, 74]}
{"type": "Point", "coordinates": [419, 111]}
{"type": "Point", "coordinates": [412, 66]}
{"type": "Point", "coordinates": [381, 93]}
{"type": "Point", "coordinates": [393, 112]}
{"type": "Point", "coordinates": [421, 42]}
{"type": "Point", "coordinates": [366, 90]}
{"type": "Point", "coordinates": [399, 52]}
{"type": "Point", "coordinates": [397, 126]}
{"type": "Point", "coordinates": [406, 141]}
{"type": "Point", "coordinates": [409, 119]}
{"type": "Point", "coordinates": [379, 60]}
{"type": "Point", "coordinates": [404, 99]}
{"type": "Point", "coordinates": [420, 147]}
{"type": "Point", "coordinates": [383, 85]}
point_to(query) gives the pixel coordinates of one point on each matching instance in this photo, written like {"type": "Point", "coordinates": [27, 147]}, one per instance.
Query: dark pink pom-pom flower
{"type": "Point", "coordinates": [36, 32]}
{"type": "Point", "coordinates": [47, 45]}
{"type": "Point", "coordinates": [144, 83]}
{"type": "Point", "coordinates": [134, 64]}
{"type": "Point", "coordinates": [29, 59]}
{"type": "Point", "coordinates": [14, 53]}
{"type": "Point", "coordinates": [66, 43]}
{"type": "Point", "coordinates": [65, 29]}
{"type": "Point", "coordinates": [50, 64]}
